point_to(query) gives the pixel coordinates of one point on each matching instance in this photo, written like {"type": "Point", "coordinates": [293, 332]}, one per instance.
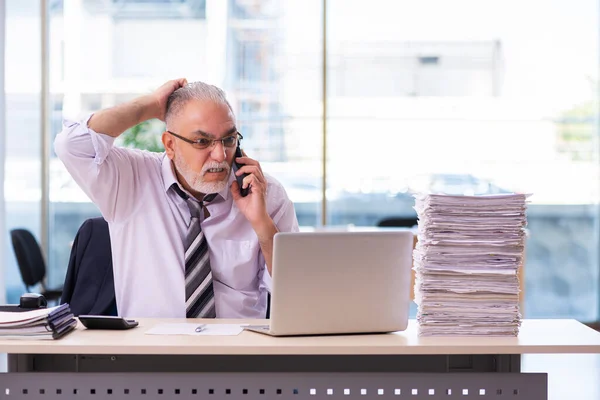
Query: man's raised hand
{"type": "Point", "coordinates": [161, 95]}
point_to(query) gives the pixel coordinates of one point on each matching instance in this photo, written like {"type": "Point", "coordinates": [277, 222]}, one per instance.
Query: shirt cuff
{"type": "Point", "coordinates": [102, 143]}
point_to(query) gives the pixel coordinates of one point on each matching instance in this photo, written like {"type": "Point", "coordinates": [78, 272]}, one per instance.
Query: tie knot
{"type": "Point", "coordinates": [209, 197]}
{"type": "Point", "coordinates": [194, 205]}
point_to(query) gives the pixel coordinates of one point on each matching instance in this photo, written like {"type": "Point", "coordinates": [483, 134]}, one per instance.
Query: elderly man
{"type": "Point", "coordinates": [185, 242]}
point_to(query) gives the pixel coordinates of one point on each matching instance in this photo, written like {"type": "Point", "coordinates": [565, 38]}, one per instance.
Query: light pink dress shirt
{"type": "Point", "coordinates": [148, 221]}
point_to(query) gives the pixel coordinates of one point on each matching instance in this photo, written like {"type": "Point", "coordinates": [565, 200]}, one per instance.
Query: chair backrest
{"type": "Point", "coordinates": [29, 257]}
{"type": "Point", "coordinates": [89, 282]}
{"type": "Point", "coordinates": [398, 222]}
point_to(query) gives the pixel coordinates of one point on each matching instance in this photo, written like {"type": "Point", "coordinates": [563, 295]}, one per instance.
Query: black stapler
{"type": "Point", "coordinates": [33, 301]}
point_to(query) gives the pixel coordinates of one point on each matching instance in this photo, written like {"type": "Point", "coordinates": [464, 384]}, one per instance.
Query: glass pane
{"type": "Point", "coordinates": [424, 96]}
{"type": "Point", "coordinates": [260, 53]}
{"type": "Point", "coordinates": [23, 146]}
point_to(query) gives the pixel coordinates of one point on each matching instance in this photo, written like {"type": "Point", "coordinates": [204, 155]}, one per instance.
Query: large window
{"type": "Point", "coordinates": [103, 53]}
{"type": "Point", "coordinates": [426, 96]}
{"type": "Point", "coordinates": [22, 182]}
{"type": "Point", "coordinates": [461, 97]}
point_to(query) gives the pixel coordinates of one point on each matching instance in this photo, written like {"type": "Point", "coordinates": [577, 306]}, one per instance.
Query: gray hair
{"type": "Point", "coordinates": [194, 91]}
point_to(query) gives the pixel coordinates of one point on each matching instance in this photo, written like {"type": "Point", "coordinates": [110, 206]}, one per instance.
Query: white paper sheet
{"type": "Point", "coordinates": [467, 258]}
{"type": "Point", "coordinates": [8, 318]}
{"type": "Point", "coordinates": [190, 329]}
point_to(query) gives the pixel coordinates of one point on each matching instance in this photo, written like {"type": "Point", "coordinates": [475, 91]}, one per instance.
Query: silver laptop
{"type": "Point", "coordinates": [339, 282]}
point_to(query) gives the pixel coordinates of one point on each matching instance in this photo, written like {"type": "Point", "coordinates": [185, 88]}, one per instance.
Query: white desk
{"type": "Point", "coordinates": [255, 366]}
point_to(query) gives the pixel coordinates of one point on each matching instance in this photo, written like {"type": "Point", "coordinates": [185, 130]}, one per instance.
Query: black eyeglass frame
{"type": "Point", "coordinates": [211, 142]}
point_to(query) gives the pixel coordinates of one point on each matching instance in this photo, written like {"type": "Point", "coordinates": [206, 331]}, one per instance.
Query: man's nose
{"type": "Point", "coordinates": [218, 151]}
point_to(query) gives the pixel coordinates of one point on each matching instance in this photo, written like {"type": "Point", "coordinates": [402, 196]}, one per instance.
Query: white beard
{"type": "Point", "coordinates": [196, 181]}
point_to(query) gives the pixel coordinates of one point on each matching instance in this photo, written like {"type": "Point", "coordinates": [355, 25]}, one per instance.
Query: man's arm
{"type": "Point", "coordinates": [266, 232]}
{"type": "Point", "coordinates": [254, 207]}
{"type": "Point", "coordinates": [116, 120]}
{"type": "Point", "coordinates": [113, 178]}
{"type": "Point", "coordinates": [281, 218]}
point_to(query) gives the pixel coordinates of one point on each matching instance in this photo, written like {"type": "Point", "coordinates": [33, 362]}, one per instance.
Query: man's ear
{"type": "Point", "coordinates": [169, 143]}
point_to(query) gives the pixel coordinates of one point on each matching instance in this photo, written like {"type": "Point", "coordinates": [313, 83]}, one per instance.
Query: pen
{"type": "Point", "coordinates": [200, 328]}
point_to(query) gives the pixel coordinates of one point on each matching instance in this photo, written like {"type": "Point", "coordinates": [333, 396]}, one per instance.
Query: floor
{"type": "Point", "coordinates": [574, 377]}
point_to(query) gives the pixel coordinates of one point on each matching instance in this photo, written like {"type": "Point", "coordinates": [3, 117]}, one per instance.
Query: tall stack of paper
{"type": "Point", "coordinates": [43, 323]}
{"type": "Point", "coordinates": [467, 257]}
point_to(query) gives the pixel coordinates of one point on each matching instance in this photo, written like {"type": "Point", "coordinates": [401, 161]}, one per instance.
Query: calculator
{"type": "Point", "coordinates": [107, 322]}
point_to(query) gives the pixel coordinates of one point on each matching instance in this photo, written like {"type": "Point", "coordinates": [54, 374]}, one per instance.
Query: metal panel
{"type": "Point", "coordinates": [280, 386]}
{"type": "Point", "coordinates": [280, 363]}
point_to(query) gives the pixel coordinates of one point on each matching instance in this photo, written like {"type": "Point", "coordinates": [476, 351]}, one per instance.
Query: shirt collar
{"type": "Point", "coordinates": [170, 179]}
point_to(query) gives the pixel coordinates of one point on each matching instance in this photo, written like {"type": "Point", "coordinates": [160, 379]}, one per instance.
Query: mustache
{"type": "Point", "coordinates": [214, 164]}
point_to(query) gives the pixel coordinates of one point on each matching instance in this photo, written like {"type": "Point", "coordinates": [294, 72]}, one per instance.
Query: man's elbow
{"type": "Point", "coordinates": [62, 140]}
{"type": "Point", "coordinates": [60, 145]}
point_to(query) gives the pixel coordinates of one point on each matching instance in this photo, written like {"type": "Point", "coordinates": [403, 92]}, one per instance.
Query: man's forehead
{"type": "Point", "coordinates": [211, 121]}
{"type": "Point", "coordinates": [223, 133]}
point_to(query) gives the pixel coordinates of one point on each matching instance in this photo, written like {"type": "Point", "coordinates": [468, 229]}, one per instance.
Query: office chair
{"type": "Point", "coordinates": [398, 222]}
{"type": "Point", "coordinates": [31, 263]}
{"type": "Point", "coordinates": [89, 286]}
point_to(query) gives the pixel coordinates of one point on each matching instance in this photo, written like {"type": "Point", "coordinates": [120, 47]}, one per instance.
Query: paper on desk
{"type": "Point", "coordinates": [190, 329]}
{"type": "Point", "coordinates": [12, 318]}
{"type": "Point", "coordinates": [466, 261]}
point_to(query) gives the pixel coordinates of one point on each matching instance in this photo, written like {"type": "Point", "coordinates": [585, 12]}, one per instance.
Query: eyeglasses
{"type": "Point", "coordinates": [205, 143]}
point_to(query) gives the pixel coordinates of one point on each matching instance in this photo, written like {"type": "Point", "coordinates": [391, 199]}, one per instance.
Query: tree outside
{"type": "Point", "coordinates": [144, 136]}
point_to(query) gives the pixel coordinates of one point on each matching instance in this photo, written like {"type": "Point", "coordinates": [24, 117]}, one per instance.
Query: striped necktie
{"type": "Point", "coordinates": [199, 294]}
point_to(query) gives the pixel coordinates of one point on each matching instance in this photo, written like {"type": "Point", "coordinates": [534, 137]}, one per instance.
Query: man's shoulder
{"type": "Point", "coordinates": [144, 156]}
{"type": "Point", "coordinates": [272, 182]}
{"type": "Point", "coordinates": [275, 190]}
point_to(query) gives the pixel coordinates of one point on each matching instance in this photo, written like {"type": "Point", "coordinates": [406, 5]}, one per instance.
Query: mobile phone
{"type": "Point", "coordinates": [236, 166]}
{"type": "Point", "coordinates": [107, 322]}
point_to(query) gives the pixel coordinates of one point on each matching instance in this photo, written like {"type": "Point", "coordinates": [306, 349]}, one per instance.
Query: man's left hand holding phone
{"type": "Point", "coordinates": [249, 190]}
